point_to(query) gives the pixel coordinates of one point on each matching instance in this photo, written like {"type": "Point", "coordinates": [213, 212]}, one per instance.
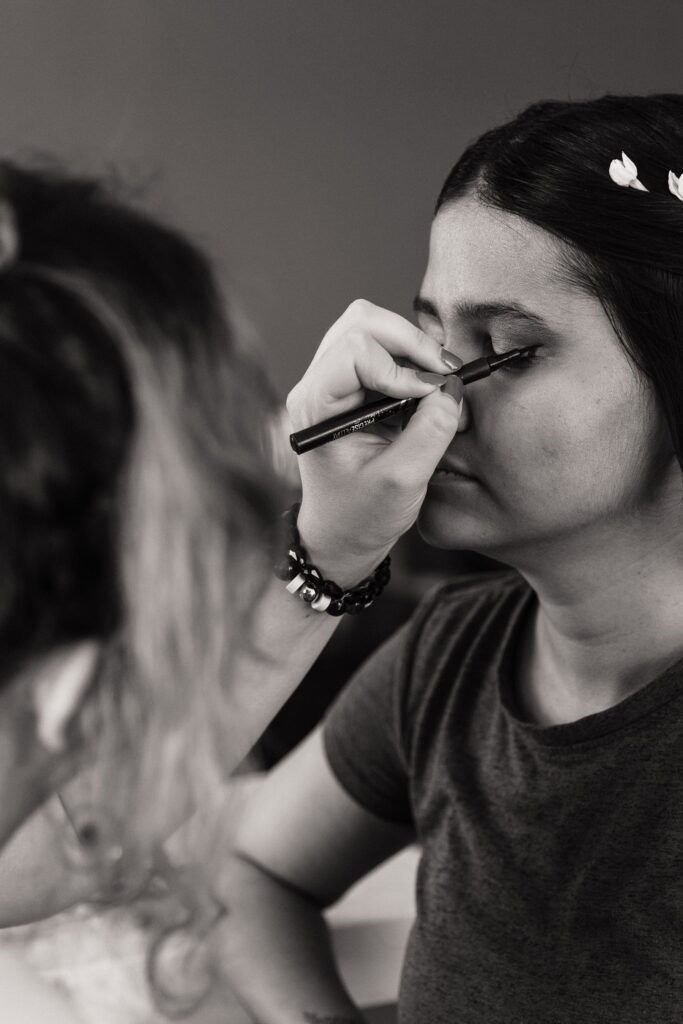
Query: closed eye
{"type": "Point", "coordinates": [501, 349]}
{"type": "Point", "coordinates": [501, 344]}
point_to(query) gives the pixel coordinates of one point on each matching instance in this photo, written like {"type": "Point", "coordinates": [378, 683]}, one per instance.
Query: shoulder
{"type": "Point", "coordinates": [464, 604]}
{"type": "Point", "coordinates": [457, 634]}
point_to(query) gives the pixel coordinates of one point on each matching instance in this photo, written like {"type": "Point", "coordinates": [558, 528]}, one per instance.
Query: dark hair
{"type": "Point", "coordinates": [550, 164]}
{"type": "Point", "coordinates": [135, 499]}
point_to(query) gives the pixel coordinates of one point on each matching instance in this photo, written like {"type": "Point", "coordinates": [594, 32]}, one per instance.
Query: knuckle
{"type": "Point", "coordinates": [359, 342]}
{"type": "Point", "coordinates": [296, 404]}
{"type": "Point", "coordinates": [359, 309]}
{"type": "Point", "coordinates": [292, 399]}
{"type": "Point", "coordinates": [397, 374]}
{"type": "Point", "coordinates": [393, 482]}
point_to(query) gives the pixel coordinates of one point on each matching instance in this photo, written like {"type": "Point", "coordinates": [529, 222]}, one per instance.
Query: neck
{"type": "Point", "coordinates": [609, 618]}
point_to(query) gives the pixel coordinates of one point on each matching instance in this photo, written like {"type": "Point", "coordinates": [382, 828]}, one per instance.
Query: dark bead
{"type": "Point", "coordinates": [297, 553]}
{"type": "Point", "coordinates": [286, 569]}
{"type": "Point", "coordinates": [351, 601]}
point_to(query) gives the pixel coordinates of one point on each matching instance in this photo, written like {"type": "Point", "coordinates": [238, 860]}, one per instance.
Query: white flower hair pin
{"type": "Point", "coordinates": [675, 186]}
{"type": "Point", "coordinates": [624, 172]}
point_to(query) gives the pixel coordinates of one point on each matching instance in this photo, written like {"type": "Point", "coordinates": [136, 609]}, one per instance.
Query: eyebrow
{"type": "Point", "coordinates": [473, 312]}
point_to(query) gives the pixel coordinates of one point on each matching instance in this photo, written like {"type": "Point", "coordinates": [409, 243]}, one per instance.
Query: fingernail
{"type": "Point", "coordinates": [453, 387]}
{"type": "Point", "coordinates": [452, 361]}
{"type": "Point", "coordinates": [430, 378]}
{"type": "Point", "coordinates": [455, 401]}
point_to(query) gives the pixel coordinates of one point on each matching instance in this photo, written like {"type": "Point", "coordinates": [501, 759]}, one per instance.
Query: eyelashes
{"type": "Point", "coordinates": [516, 365]}
{"type": "Point", "coordinates": [485, 342]}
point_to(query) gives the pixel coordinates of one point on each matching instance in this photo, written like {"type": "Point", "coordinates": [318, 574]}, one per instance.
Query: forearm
{"type": "Point", "coordinates": [285, 639]}
{"type": "Point", "coordinates": [35, 878]}
{"type": "Point", "coordinates": [274, 950]}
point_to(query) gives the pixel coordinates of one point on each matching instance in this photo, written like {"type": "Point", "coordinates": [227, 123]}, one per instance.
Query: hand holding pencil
{"type": "Point", "coordinates": [359, 497]}
{"type": "Point", "coordinates": [358, 419]}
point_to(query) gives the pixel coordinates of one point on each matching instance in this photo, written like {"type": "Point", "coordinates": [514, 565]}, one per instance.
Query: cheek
{"type": "Point", "coordinates": [586, 454]}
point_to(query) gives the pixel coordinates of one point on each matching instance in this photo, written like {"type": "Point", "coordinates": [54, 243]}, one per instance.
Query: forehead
{"type": "Point", "coordinates": [481, 254]}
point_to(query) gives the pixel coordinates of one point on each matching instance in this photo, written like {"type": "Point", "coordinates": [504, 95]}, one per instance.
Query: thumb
{"type": "Point", "coordinates": [417, 452]}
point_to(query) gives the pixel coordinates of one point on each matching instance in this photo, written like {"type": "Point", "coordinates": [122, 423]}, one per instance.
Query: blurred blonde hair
{"type": "Point", "coordinates": [136, 502]}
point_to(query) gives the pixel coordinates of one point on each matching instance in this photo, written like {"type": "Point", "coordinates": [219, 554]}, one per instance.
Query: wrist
{"type": "Point", "coordinates": [346, 572]}
{"type": "Point", "coordinates": [337, 557]}
{"type": "Point", "coordinates": [315, 586]}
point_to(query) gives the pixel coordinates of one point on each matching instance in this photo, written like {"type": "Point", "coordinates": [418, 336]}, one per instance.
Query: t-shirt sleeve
{"type": "Point", "coordinates": [384, 726]}
{"type": "Point", "coordinates": [363, 734]}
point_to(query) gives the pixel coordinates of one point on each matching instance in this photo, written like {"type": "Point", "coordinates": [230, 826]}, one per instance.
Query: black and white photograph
{"type": "Point", "coordinates": [341, 512]}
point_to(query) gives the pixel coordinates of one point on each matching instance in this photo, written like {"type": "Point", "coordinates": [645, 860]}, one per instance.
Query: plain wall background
{"type": "Point", "coordinates": [304, 141]}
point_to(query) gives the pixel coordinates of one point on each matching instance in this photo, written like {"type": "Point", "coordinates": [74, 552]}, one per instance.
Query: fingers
{"type": "Point", "coordinates": [412, 458]}
{"type": "Point", "coordinates": [360, 352]}
{"type": "Point", "coordinates": [396, 334]}
{"type": "Point", "coordinates": [337, 379]}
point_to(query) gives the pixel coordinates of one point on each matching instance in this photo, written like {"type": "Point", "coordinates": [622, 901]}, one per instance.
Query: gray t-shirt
{"type": "Point", "coordinates": [550, 889]}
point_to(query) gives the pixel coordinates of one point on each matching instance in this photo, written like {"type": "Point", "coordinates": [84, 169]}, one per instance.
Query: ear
{"type": "Point", "coordinates": [61, 686]}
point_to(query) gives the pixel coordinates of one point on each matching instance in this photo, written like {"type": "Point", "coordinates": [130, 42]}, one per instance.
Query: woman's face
{"type": "Point", "coordinates": [568, 442]}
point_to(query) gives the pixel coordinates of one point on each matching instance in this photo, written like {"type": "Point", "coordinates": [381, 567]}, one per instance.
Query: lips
{"type": "Point", "coordinates": [446, 468]}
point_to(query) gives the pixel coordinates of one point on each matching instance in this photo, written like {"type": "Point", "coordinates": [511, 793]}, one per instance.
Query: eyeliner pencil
{"type": "Point", "coordinates": [365, 415]}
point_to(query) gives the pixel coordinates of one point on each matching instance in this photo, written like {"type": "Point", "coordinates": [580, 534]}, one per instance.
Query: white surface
{"type": "Point", "coordinates": [98, 959]}
{"type": "Point", "coordinates": [386, 894]}
{"type": "Point", "coordinates": [370, 929]}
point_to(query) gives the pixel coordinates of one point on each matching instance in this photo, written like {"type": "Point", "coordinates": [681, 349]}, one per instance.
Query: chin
{"type": "Point", "coordinates": [449, 528]}
{"type": "Point", "coordinates": [444, 526]}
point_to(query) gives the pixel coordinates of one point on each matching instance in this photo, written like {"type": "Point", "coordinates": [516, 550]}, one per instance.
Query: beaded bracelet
{"type": "Point", "coordinates": [306, 581]}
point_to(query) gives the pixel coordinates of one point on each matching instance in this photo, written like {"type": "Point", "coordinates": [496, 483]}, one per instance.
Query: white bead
{"type": "Point", "coordinates": [322, 603]}
{"type": "Point", "coordinates": [296, 583]}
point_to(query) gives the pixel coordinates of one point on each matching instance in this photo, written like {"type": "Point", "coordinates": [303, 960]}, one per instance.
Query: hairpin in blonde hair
{"type": "Point", "coordinates": [624, 172]}
{"type": "Point", "coordinates": [9, 236]}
